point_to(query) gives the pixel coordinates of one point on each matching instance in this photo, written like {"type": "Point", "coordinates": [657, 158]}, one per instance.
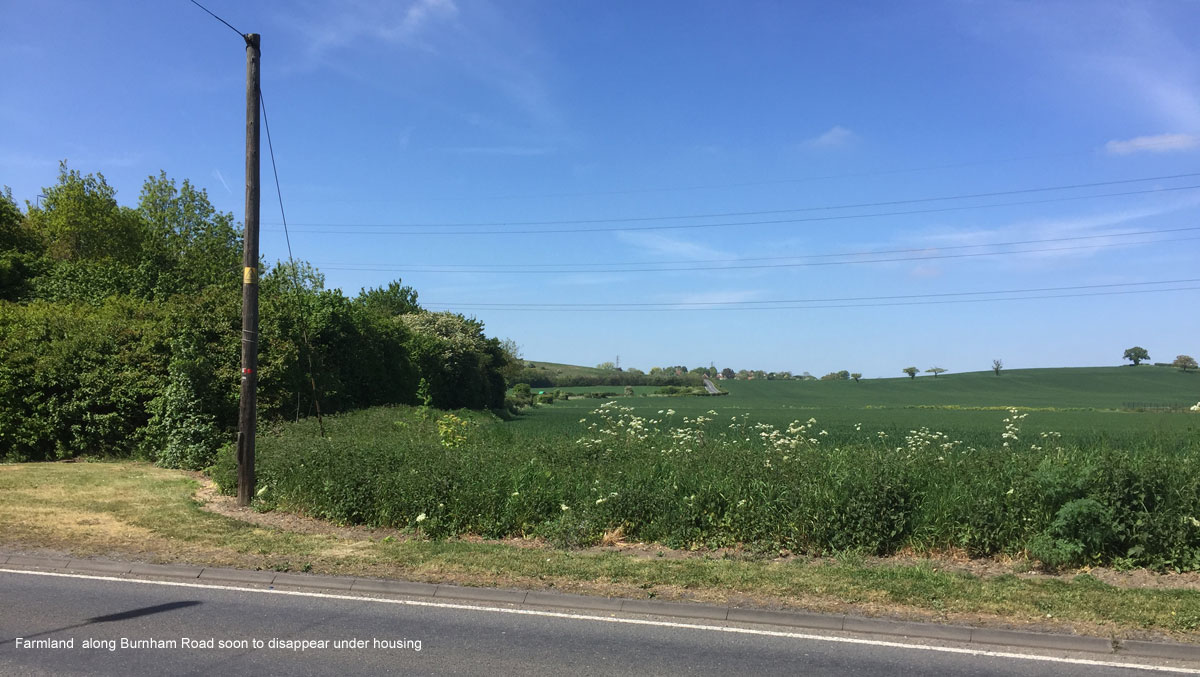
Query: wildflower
{"type": "Point", "coordinates": [564, 507]}
{"type": "Point", "coordinates": [421, 517]}
{"type": "Point", "coordinates": [516, 493]}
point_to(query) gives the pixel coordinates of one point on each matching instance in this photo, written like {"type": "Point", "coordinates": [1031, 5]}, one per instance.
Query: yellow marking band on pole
{"type": "Point", "coordinates": [249, 275]}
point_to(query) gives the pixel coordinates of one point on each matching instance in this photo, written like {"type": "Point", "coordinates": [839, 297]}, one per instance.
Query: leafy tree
{"type": "Point", "coordinates": [1184, 362]}
{"type": "Point", "coordinates": [395, 299]}
{"type": "Point", "coordinates": [20, 250]}
{"type": "Point", "coordinates": [514, 363]}
{"type": "Point", "coordinates": [189, 244]}
{"type": "Point", "coordinates": [460, 365]}
{"type": "Point", "coordinates": [80, 220]}
{"type": "Point", "coordinates": [607, 366]}
{"type": "Point", "coordinates": [911, 371]}
{"type": "Point", "coordinates": [935, 371]}
{"type": "Point", "coordinates": [728, 373]}
{"type": "Point", "coordinates": [997, 365]}
{"type": "Point", "coordinates": [1137, 355]}
{"type": "Point", "coordinates": [856, 376]}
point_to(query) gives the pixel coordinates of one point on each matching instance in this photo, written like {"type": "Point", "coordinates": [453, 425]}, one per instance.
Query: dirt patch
{"type": "Point", "coordinates": [952, 561]}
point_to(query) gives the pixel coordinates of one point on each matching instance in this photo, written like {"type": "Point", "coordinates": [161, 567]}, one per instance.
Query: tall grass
{"type": "Point", "coordinates": [712, 480]}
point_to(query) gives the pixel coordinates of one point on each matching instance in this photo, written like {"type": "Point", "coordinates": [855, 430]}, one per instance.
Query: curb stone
{"type": "Point", "coordinates": [481, 594]}
{"type": "Point", "coordinates": [564, 600]}
{"type": "Point", "coordinates": [394, 587]}
{"type": "Point", "coordinates": [98, 566]}
{"type": "Point", "coordinates": [877, 626]}
{"type": "Point", "coordinates": [305, 581]}
{"type": "Point", "coordinates": [236, 576]}
{"type": "Point", "coordinates": [166, 570]}
{"type": "Point", "coordinates": [1042, 641]}
{"type": "Point", "coordinates": [38, 562]}
{"type": "Point", "coordinates": [794, 619]}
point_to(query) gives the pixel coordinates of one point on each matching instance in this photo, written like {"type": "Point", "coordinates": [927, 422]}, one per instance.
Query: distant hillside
{"type": "Point", "coordinates": [1083, 387]}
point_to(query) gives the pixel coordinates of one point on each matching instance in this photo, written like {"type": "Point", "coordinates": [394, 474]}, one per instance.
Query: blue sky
{"type": "Point", "coordinates": [393, 121]}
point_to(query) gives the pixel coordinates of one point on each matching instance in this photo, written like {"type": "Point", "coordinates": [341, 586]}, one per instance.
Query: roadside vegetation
{"type": "Point", "coordinates": [120, 332]}
{"type": "Point", "coordinates": [710, 480]}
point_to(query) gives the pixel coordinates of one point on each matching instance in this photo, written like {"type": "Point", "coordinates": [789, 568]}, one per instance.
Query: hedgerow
{"type": "Point", "coordinates": [706, 482]}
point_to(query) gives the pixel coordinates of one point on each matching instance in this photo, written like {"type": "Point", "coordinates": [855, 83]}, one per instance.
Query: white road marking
{"type": "Point", "coordinates": [628, 621]}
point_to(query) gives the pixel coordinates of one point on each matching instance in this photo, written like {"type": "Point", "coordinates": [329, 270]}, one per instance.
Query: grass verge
{"type": "Point", "coordinates": [137, 511]}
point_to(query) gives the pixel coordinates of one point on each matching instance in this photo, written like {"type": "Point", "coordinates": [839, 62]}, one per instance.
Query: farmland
{"type": "Point", "coordinates": [877, 466]}
{"type": "Point", "coordinates": [1099, 401]}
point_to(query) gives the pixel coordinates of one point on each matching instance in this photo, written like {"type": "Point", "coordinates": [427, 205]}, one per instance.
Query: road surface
{"type": "Point", "coordinates": [124, 627]}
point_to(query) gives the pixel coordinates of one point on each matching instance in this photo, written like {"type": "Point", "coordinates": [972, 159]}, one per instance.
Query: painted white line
{"type": "Point", "coordinates": [628, 621]}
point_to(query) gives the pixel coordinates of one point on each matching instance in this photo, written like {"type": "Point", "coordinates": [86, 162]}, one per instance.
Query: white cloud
{"type": "Point", "coordinates": [836, 137]}
{"type": "Point", "coordinates": [352, 22]}
{"type": "Point", "coordinates": [721, 297]}
{"type": "Point", "coordinates": [675, 248]}
{"type": "Point", "coordinates": [1161, 143]}
{"type": "Point", "coordinates": [221, 178]}
{"type": "Point", "coordinates": [1101, 228]}
{"type": "Point", "coordinates": [518, 151]}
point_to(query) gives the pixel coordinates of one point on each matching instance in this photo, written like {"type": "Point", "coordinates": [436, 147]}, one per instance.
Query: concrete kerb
{"type": "Point", "coordinates": [37, 562]}
{"type": "Point", "coordinates": [1039, 640]}
{"type": "Point", "coordinates": [794, 619]}
{"type": "Point", "coordinates": [165, 570]}
{"type": "Point", "coordinates": [98, 566]}
{"type": "Point", "coordinates": [236, 576]}
{"type": "Point", "coordinates": [305, 581]}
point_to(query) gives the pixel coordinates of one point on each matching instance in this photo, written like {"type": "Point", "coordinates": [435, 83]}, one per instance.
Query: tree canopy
{"type": "Point", "coordinates": [120, 330]}
{"type": "Point", "coordinates": [1137, 355]}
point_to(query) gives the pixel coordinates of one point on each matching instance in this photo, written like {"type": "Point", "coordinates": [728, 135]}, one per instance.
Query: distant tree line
{"type": "Point", "coordinates": [120, 331]}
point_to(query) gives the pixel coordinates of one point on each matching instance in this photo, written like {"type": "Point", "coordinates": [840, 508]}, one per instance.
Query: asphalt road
{"type": "Point", "coordinates": [379, 637]}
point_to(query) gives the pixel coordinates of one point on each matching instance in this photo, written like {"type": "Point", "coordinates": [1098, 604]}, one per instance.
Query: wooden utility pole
{"type": "Point", "coordinates": [247, 414]}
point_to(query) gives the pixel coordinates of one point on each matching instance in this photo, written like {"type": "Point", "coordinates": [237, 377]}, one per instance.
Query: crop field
{"type": "Point", "coordinates": [1038, 463]}
{"type": "Point", "coordinates": [1093, 402]}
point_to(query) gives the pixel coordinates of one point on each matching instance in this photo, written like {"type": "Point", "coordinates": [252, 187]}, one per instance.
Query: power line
{"type": "Point", "coordinates": [746, 184]}
{"type": "Point", "coordinates": [849, 298]}
{"type": "Point", "coordinates": [295, 270]}
{"type": "Point", "coordinates": [765, 212]}
{"type": "Point", "coordinates": [693, 265]}
{"type": "Point", "coordinates": [241, 34]}
{"type": "Point", "coordinates": [775, 265]}
{"type": "Point", "coordinates": [811, 219]}
{"type": "Point", "coordinates": [925, 300]}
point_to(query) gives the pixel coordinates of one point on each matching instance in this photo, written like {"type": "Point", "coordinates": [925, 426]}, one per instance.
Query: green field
{"type": "Point", "coordinates": [1094, 401]}
{"type": "Point", "coordinates": [811, 467]}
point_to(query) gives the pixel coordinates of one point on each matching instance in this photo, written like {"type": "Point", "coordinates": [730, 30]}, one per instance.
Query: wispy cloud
{"type": "Point", "coordinates": [837, 137]}
{"type": "Point", "coordinates": [670, 247]}
{"type": "Point", "coordinates": [1135, 52]}
{"type": "Point", "coordinates": [221, 178]}
{"type": "Point", "coordinates": [720, 296]}
{"type": "Point", "coordinates": [1102, 228]}
{"type": "Point", "coordinates": [1161, 143]}
{"type": "Point", "coordinates": [352, 22]}
{"type": "Point", "coordinates": [500, 150]}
